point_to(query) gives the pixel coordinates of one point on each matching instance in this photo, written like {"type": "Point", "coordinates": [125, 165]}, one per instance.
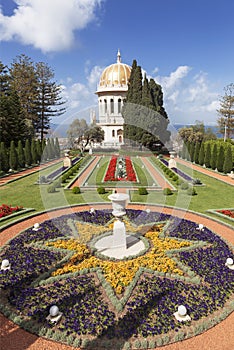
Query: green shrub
{"type": "Point", "coordinates": [167, 191]}
{"type": "Point", "coordinates": [175, 178]}
{"type": "Point", "coordinates": [184, 186]}
{"type": "Point", "coordinates": [101, 190]}
{"type": "Point", "coordinates": [57, 183]}
{"type": "Point", "coordinates": [197, 182]}
{"type": "Point", "coordinates": [142, 191]}
{"type": "Point", "coordinates": [51, 189]}
{"type": "Point", "coordinates": [191, 191]}
{"type": "Point", "coordinates": [76, 190]}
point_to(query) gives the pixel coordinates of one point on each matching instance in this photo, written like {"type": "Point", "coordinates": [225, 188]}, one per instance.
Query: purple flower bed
{"type": "Point", "coordinates": [182, 174]}
{"type": "Point", "coordinates": [56, 173]}
{"type": "Point", "coordinates": [164, 161]}
{"type": "Point", "coordinates": [149, 310]}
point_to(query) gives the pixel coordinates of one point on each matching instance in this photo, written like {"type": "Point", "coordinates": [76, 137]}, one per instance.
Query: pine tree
{"type": "Point", "coordinates": [4, 157]}
{"type": "Point", "coordinates": [207, 158]}
{"type": "Point", "coordinates": [49, 102]}
{"type": "Point", "coordinates": [34, 152]}
{"type": "Point", "coordinates": [214, 153]}
{"type": "Point", "coordinates": [220, 159]}
{"type": "Point", "coordinates": [27, 152]}
{"type": "Point", "coordinates": [228, 164]}
{"type": "Point", "coordinates": [21, 156]}
{"type": "Point", "coordinates": [201, 154]}
{"type": "Point", "coordinates": [24, 81]}
{"type": "Point", "coordinates": [13, 160]}
{"type": "Point", "coordinates": [196, 152]}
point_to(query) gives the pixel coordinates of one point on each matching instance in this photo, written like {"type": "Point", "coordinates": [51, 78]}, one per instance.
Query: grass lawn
{"type": "Point", "coordinates": [24, 192]}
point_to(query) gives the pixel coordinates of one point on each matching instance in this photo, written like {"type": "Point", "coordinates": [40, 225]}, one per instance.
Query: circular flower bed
{"type": "Point", "coordinates": [111, 304]}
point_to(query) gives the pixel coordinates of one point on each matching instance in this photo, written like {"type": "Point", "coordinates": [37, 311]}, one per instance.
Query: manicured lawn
{"type": "Point", "coordinates": [24, 192]}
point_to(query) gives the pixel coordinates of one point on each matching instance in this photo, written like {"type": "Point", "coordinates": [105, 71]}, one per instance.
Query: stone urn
{"type": "Point", "coordinates": [118, 203]}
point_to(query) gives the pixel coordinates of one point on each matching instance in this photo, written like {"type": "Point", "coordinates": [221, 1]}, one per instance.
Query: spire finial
{"type": "Point", "coordinates": [118, 57]}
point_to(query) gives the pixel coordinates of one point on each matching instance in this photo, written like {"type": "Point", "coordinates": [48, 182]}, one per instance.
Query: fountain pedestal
{"type": "Point", "coordinates": [119, 245]}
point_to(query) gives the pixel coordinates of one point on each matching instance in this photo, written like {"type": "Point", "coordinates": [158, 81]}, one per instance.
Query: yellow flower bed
{"type": "Point", "coordinates": [120, 273]}
{"type": "Point", "coordinates": [87, 231]}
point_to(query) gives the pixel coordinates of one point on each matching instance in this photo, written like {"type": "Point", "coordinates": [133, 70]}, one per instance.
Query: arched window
{"type": "Point", "coordinates": [113, 133]}
{"type": "Point", "coordinates": [112, 106]}
{"type": "Point", "coordinates": [100, 106]}
{"type": "Point", "coordinates": [105, 106]}
{"type": "Point", "coordinates": [119, 105]}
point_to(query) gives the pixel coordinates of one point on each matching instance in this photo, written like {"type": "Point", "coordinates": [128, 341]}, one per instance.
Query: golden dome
{"type": "Point", "coordinates": [116, 74]}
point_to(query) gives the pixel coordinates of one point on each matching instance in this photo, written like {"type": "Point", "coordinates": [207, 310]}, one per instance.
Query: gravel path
{"type": "Point", "coordinates": [220, 337]}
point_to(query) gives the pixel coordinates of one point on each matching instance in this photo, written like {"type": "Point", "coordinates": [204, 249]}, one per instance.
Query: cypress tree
{"type": "Point", "coordinates": [34, 152]}
{"type": "Point", "coordinates": [184, 151]}
{"type": "Point", "coordinates": [27, 152]}
{"type": "Point", "coordinates": [196, 152]}
{"type": "Point", "coordinates": [220, 159]}
{"type": "Point", "coordinates": [49, 149]}
{"type": "Point", "coordinates": [228, 164]}
{"type": "Point", "coordinates": [57, 148]}
{"type": "Point", "coordinates": [129, 96]}
{"type": "Point", "coordinates": [39, 150]}
{"type": "Point", "coordinates": [53, 151]}
{"type": "Point", "coordinates": [13, 160]}
{"type": "Point", "coordinates": [207, 157]}
{"type": "Point", "coordinates": [4, 158]}
{"type": "Point", "coordinates": [213, 161]}
{"type": "Point", "coordinates": [201, 154]}
{"type": "Point", "coordinates": [188, 144]}
{"type": "Point", "coordinates": [21, 156]}
{"type": "Point", "coordinates": [192, 151]}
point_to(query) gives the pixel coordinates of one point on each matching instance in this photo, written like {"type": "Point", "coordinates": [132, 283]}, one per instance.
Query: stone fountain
{"type": "Point", "coordinates": [119, 245]}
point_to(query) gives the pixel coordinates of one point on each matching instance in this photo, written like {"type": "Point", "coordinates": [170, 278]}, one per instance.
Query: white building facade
{"type": "Point", "coordinates": [112, 91]}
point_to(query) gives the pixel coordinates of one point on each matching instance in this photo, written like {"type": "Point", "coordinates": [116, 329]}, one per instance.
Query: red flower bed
{"type": "Point", "coordinates": [227, 212]}
{"type": "Point", "coordinates": [110, 174]}
{"type": "Point", "coordinates": [131, 176]}
{"type": "Point", "coordinates": [8, 210]}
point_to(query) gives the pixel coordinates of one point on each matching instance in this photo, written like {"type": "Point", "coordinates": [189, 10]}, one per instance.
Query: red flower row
{"type": "Point", "coordinates": [131, 176]}
{"type": "Point", "coordinates": [110, 174]}
{"type": "Point", "coordinates": [227, 212]}
{"type": "Point", "coordinates": [7, 210]}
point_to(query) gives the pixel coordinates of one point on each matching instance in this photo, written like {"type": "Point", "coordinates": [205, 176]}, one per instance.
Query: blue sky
{"type": "Point", "coordinates": [186, 46]}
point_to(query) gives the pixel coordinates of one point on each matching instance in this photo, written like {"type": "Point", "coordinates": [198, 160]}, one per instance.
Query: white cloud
{"type": "Point", "coordinates": [47, 25]}
{"type": "Point", "coordinates": [174, 78]}
{"type": "Point", "coordinates": [188, 97]}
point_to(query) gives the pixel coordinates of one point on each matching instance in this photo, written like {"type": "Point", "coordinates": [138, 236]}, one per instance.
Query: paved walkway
{"type": "Point", "coordinates": [225, 178]}
{"type": "Point", "coordinates": [220, 337]}
{"type": "Point", "coordinates": [5, 180]}
{"type": "Point", "coordinates": [81, 179]}
{"type": "Point", "coordinates": [160, 179]}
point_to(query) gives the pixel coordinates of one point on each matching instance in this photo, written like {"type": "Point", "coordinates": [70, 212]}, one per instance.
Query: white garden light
{"type": "Point", "coordinates": [92, 211]}
{"type": "Point", "coordinates": [147, 210]}
{"type": "Point", "coordinates": [5, 265]}
{"type": "Point", "coordinates": [181, 314]}
{"type": "Point", "coordinates": [36, 226]}
{"type": "Point", "coordinates": [229, 263]}
{"type": "Point", "coordinates": [200, 227]}
{"type": "Point", "coordinates": [54, 314]}
{"type": "Point", "coordinates": [182, 311]}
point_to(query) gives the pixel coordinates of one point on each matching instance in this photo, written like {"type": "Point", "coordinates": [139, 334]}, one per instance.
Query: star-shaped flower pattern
{"type": "Point", "coordinates": [120, 273]}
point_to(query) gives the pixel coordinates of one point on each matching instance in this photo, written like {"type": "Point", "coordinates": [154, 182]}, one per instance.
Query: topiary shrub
{"type": "Point", "coordinates": [57, 183]}
{"type": "Point", "coordinates": [51, 189]}
{"type": "Point", "coordinates": [191, 191]}
{"type": "Point", "coordinates": [167, 191]}
{"type": "Point", "coordinates": [142, 191]}
{"type": "Point", "coordinates": [101, 190]}
{"type": "Point", "coordinates": [76, 190]}
{"type": "Point", "coordinates": [184, 186]}
{"type": "Point", "coordinates": [197, 182]}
